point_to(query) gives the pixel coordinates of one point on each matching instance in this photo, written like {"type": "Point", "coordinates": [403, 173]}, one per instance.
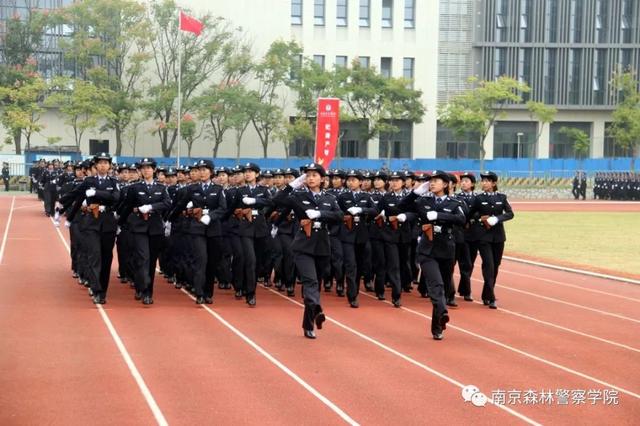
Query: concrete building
{"type": "Point", "coordinates": [566, 50]}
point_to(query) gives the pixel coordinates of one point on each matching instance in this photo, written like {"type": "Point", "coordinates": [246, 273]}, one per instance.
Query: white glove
{"type": "Point", "coordinates": [58, 205]}
{"type": "Point", "coordinates": [432, 215]}
{"type": "Point", "coordinates": [422, 189]}
{"type": "Point", "coordinates": [299, 181]}
{"type": "Point", "coordinates": [383, 214]}
{"type": "Point", "coordinates": [492, 221]}
{"type": "Point", "coordinates": [206, 219]}
{"type": "Point", "coordinates": [167, 229]}
{"type": "Point", "coordinates": [190, 205]}
{"type": "Point", "coordinates": [84, 203]}
{"type": "Point", "coordinates": [312, 214]}
{"type": "Point", "coordinates": [56, 217]}
{"type": "Point", "coordinates": [249, 201]}
{"type": "Point", "coordinates": [402, 217]}
{"type": "Point", "coordinates": [118, 231]}
{"type": "Point", "coordinates": [67, 224]}
{"type": "Point", "coordinates": [90, 192]}
{"type": "Point", "coordinates": [144, 209]}
{"type": "Point", "coordinates": [354, 210]}
{"type": "Point", "coordinates": [419, 239]}
{"type": "Point", "coordinates": [205, 212]}
{"type": "Point", "coordinates": [274, 231]}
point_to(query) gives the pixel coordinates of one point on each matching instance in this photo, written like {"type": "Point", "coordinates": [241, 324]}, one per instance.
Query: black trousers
{"type": "Point", "coordinates": [364, 268]}
{"type": "Point", "coordinates": [386, 260]}
{"type": "Point", "coordinates": [50, 201]}
{"type": "Point", "coordinates": [215, 257]}
{"type": "Point", "coordinates": [124, 251]}
{"type": "Point", "coordinates": [353, 256]}
{"type": "Point", "coordinates": [146, 249]}
{"type": "Point", "coordinates": [406, 265]}
{"type": "Point", "coordinates": [432, 272]}
{"type": "Point", "coordinates": [337, 262]}
{"type": "Point", "coordinates": [491, 255]}
{"type": "Point", "coordinates": [463, 257]}
{"type": "Point", "coordinates": [73, 236]}
{"type": "Point", "coordinates": [99, 248]}
{"type": "Point", "coordinates": [197, 266]}
{"type": "Point", "coordinates": [286, 269]}
{"type": "Point", "coordinates": [310, 269]}
{"type": "Point", "coordinates": [263, 248]}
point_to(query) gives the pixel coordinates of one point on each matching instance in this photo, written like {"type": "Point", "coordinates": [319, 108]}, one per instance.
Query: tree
{"type": "Point", "coordinates": [274, 71]}
{"type": "Point", "coordinates": [378, 100]}
{"type": "Point", "coordinates": [625, 127]}
{"type": "Point", "coordinates": [189, 131]}
{"type": "Point", "coordinates": [82, 103]}
{"type": "Point", "coordinates": [23, 36]}
{"type": "Point", "coordinates": [22, 109]}
{"type": "Point", "coordinates": [476, 110]}
{"type": "Point", "coordinates": [110, 45]}
{"type": "Point", "coordinates": [543, 114]}
{"type": "Point", "coordinates": [202, 58]}
{"type": "Point", "coordinates": [298, 129]}
{"type": "Point", "coordinates": [580, 140]}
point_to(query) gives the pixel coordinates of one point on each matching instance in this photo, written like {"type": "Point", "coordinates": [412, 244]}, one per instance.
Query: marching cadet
{"type": "Point", "coordinates": [285, 225]}
{"type": "Point", "coordinates": [575, 184]}
{"type": "Point", "coordinates": [98, 194]}
{"type": "Point", "coordinates": [66, 202]}
{"type": "Point", "coordinates": [315, 209]}
{"type": "Point", "coordinates": [489, 210]}
{"type": "Point", "coordinates": [358, 208]}
{"type": "Point", "coordinates": [49, 184]}
{"type": "Point", "coordinates": [250, 200]}
{"type": "Point", "coordinates": [436, 249]}
{"type": "Point", "coordinates": [145, 203]}
{"type": "Point", "coordinates": [375, 236]}
{"type": "Point", "coordinates": [123, 246]}
{"type": "Point", "coordinates": [463, 250]}
{"type": "Point", "coordinates": [583, 185]}
{"type": "Point", "coordinates": [337, 178]}
{"type": "Point", "coordinates": [395, 226]}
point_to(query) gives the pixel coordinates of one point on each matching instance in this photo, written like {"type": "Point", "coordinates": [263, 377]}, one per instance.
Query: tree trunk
{"type": "Point", "coordinates": [118, 141]}
{"type": "Point", "coordinates": [17, 139]}
{"type": "Point", "coordinates": [265, 147]}
{"type": "Point", "coordinates": [164, 137]}
{"type": "Point", "coordinates": [482, 154]}
{"type": "Point", "coordinates": [238, 139]}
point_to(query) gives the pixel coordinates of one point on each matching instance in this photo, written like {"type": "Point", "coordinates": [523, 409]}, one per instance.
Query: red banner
{"type": "Point", "coordinates": [327, 129]}
{"type": "Point", "coordinates": [190, 24]}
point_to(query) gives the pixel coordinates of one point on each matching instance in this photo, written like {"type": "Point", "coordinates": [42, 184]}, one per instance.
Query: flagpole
{"type": "Point", "coordinates": [179, 88]}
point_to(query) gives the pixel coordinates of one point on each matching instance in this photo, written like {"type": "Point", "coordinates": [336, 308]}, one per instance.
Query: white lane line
{"type": "Point", "coordinates": [410, 360]}
{"type": "Point", "coordinates": [313, 391]}
{"type": "Point", "coordinates": [526, 354]}
{"type": "Point", "coordinates": [151, 402]}
{"type": "Point", "coordinates": [6, 229]}
{"type": "Point", "coordinates": [564, 284]}
{"type": "Point", "coordinates": [574, 270]}
{"type": "Point", "coordinates": [575, 305]}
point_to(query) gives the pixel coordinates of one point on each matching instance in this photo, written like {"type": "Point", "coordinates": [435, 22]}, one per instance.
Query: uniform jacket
{"type": "Point", "coordinates": [490, 204]}
{"type": "Point", "coordinates": [140, 194]}
{"type": "Point", "coordinates": [107, 195]}
{"type": "Point", "coordinates": [359, 234]}
{"type": "Point", "coordinates": [208, 196]}
{"type": "Point", "coordinates": [257, 228]}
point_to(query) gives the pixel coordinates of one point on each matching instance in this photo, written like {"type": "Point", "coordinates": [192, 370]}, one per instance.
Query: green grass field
{"type": "Point", "coordinates": [602, 240]}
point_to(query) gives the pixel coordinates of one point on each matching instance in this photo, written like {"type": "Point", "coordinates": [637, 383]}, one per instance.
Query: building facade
{"type": "Point", "coordinates": [566, 50]}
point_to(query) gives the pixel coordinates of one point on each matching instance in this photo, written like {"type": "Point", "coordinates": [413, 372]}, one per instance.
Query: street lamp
{"type": "Point", "coordinates": [519, 135]}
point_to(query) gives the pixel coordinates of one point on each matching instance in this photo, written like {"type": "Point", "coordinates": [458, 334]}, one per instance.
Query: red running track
{"type": "Point", "coordinates": [226, 363]}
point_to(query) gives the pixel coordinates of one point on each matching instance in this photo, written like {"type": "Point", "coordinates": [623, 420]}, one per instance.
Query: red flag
{"type": "Point", "coordinates": [187, 23]}
{"type": "Point", "coordinates": [327, 127]}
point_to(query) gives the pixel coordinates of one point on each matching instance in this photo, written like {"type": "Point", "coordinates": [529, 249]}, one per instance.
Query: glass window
{"type": "Point", "coordinates": [341, 61]}
{"type": "Point", "coordinates": [448, 145]}
{"type": "Point", "coordinates": [550, 58]}
{"type": "Point", "coordinates": [365, 6]}
{"type": "Point", "coordinates": [575, 56]}
{"type": "Point", "coordinates": [296, 12]}
{"type": "Point", "coordinates": [409, 13]}
{"type": "Point", "coordinates": [625, 59]}
{"type": "Point", "coordinates": [500, 62]}
{"type": "Point", "coordinates": [625, 21]}
{"type": "Point", "coordinates": [351, 143]}
{"type": "Point", "coordinates": [551, 21]}
{"type": "Point", "coordinates": [319, 59]}
{"type": "Point", "coordinates": [385, 67]}
{"type": "Point", "coordinates": [318, 12]}
{"type": "Point", "coordinates": [408, 68]}
{"type": "Point", "coordinates": [598, 76]}
{"type": "Point", "coordinates": [602, 12]}
{"type": "Point", "coordinates": [342, 10]}
{"type": "Point", "coordinates": [575, 22]}
{"type": "Point", "coordinates": [501, 20]}
{"type": "Point", "coordinates": [560, 146]}
{"type": "Point", "coordinates": [387, 13]}
{"type": "Point", "coordinates": [301, 147]}
{"type": "Point", "coordinates": [514, 139]}
{"type": "Point", "coordinates": [525, 13]}
{"type": "Point", "coordinates": [364, 61]}
{"type": "Point", "coordinates": [611, 149]}
{"type": "Point", "coordinates": [397, 144]}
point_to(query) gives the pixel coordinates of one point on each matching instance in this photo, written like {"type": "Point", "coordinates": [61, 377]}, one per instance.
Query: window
{"type": "Point", "coordinates": [409, 13]}
{"type": "Point", "coordinates": [448, 145]}
{"type": "Point", "coordinates": [365, 10]}
{"type": "Point", "coordinates": [625, 59]}
{"type": "Point", "coordinates": [501, 20]}
{"type": "Point", "coordinates": [318, 12]}
{"type": "Point", "coordinates": [500, 62]}
{"type": "Point", "coordinates": [407, 69]}
{"type": "Point", "coordinates": [560, 146]}
{"type": "Point", "coordinates": [385, 67]}
{"type": "Point", "coordinates": [364, 61]}
{"type": "Point", "coordinates": [514, 139]}
{"type": "Point", "coordinates": [601, 20]}
{"type": "Point", "coordinates": [396, 144]}
{"type": "Point", "coordinates": [575, 22]}
{"type": "Point", "coordinates": [598, 76]}
{"type": "Point", "coordinates": [301, 147]}
{"type": "Point", "coordinates": [387, 13]}
{"type": "Point", "coordinates": [550, 76]}
{"type": "Point", "coordinates": [551, 21]}
{"type": "Point", "coordinates": [319, 59]}
{"type": "Point", "coordinates": [341, 61]}
{"type": "Point", "coordinates": [575, 56]}
{"type": "Point", "coordinates": [625, 21]}
{"type": "Point", "coordinates": [611, 149]}
{"type": "Point", "coordinates": [342, 13]}
{"type": "Point", "coordinates": [97, 146]}
{"type": "Point", "coordinates": [525, 13]}
{"type": "Point", "coordinates": [524, 69]}
{"type": "Point", "coordinates": [296, 12]}
{"type": "Point", "coordinates": [351, 143]}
